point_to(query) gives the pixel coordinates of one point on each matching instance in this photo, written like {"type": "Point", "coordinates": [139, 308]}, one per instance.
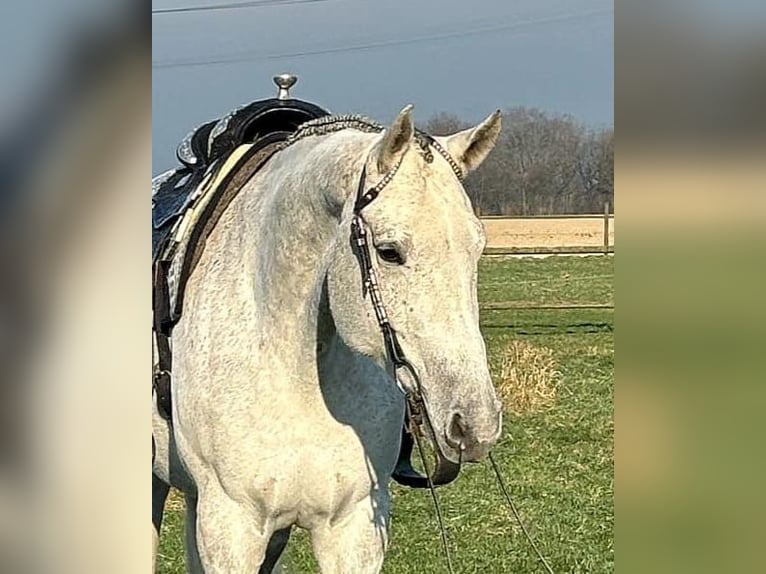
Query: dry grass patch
{"type": "Point", "coordinates": [175, 501]}
{"type": "Point", "coordinates": [528, 378]}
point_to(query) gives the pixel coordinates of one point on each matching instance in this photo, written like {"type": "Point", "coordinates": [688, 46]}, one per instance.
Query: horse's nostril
{"type": "Point", "coordinates": [462, 436]}
{"type": "Point", "coordinates": [456, 431]}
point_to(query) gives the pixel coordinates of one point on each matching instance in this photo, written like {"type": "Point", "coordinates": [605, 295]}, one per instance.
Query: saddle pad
{"type": "Point", "coordinates": [194, 202]}
{"type": "Point", "coordinates": [214, 196]}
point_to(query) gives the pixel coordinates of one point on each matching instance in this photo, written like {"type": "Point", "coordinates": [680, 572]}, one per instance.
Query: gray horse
{"type": "Point", "coordinates": [285, 406]}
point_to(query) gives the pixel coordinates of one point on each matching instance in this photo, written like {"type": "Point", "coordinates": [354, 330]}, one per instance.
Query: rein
{"type": "Point", "coordinates": [417, 413]}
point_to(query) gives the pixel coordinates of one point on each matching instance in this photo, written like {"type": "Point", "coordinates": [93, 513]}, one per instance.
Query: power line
{"type": "Point", "coordinates": [231, 6]}
{"type": "Point", "coordinates": [255, 56]}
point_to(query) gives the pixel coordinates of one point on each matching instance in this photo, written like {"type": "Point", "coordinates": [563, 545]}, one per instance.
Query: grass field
{"type": "Point", "coordinates": [558, 460]}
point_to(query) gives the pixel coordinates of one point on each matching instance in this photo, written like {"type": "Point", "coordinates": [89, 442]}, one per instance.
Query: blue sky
{"type": "Point", "coordinates": [373, 57]}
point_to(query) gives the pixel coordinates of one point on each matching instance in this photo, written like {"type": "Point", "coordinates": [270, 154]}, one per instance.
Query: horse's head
{"type": "Point", "coordinates": [425, 242]}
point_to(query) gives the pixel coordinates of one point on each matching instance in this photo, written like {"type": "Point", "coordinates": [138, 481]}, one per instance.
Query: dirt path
{"type": "Point", "coordinates": [547, 232]}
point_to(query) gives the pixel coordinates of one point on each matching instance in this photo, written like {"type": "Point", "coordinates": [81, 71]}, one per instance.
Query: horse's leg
{"type": "Point", "coordinates": [274, 549]}
{"type": "Point", "coordinates": [276, 546]}
{"type": "Point", "coordinates": [228, 538]}
{"type": "Point", "coordinates": [357, 544]}
{"type": "Point", "coordinates": [159, 496]}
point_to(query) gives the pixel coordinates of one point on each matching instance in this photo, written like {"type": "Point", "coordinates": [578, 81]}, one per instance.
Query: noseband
{"type": "Point", "coordinates": [418, 419]}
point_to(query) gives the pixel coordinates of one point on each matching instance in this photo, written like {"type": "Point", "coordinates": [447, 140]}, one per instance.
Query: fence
{"type": "Point", "coordinates": [560, 234]}
{"type": "Point", "coordinates": [568, 247]}
{"type": "Point", "coordinates": [511, 306]}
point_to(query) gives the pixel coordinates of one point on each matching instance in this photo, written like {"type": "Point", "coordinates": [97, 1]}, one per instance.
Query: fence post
{"type": "Point", "coordinates": [606, 227]}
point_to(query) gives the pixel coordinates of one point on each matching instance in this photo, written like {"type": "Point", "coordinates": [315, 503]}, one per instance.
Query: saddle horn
{"type": "Point", "coordinates": [284, 82]}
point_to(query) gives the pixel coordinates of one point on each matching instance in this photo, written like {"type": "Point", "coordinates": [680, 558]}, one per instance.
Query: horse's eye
{"type": "Point", "coordinates": [390, 254]}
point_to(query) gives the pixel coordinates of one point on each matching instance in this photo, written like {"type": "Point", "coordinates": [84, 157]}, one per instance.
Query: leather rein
{"type": "Point", "coordinates": [418, 419]}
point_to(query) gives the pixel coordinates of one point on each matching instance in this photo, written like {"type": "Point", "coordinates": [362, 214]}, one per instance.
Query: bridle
{"type": "Point", "coordinates": [418, 419]}
{"type": "Point", "coordinates": [417, 415]}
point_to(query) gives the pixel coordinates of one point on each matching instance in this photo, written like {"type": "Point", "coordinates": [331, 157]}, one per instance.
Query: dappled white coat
{"type": "Point", "coordinates": [284, 408]}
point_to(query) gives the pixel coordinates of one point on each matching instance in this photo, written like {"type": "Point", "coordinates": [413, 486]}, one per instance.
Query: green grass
{"type": "Point", "coordinates": [558, 463]}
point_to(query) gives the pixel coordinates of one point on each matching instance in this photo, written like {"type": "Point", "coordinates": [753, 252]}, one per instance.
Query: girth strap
{"type": "Point", "coordinates": [162, 326]}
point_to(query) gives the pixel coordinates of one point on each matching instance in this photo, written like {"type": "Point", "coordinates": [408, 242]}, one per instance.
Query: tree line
{"type": "Point", "coordinates": [543, 164]}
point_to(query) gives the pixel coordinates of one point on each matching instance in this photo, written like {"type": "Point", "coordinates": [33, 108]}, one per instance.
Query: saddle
{"type": "Point", "coordinates": [217, 159]}
{"type": "Point", "coordinates": [208, 146]}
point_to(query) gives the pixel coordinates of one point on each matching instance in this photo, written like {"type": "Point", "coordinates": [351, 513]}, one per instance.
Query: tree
{"type": "Point", "coordinates": [595, 168]}
{"type": "Point", "coordinates": [542, 164]}
{"type": "Point", "coordinates": [443, 124]}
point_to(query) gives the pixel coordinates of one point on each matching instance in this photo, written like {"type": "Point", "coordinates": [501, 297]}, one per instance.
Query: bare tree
{"type": "Point", "coordinates": [595, 168]}
{"type": "Point", "coordinates": [542, 164]}
{"type": "Point", "coordinates": [442, 124]}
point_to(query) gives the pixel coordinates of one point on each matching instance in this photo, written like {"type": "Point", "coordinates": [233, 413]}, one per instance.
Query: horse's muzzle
{"type": "Point", "coordinates": [473, 441]}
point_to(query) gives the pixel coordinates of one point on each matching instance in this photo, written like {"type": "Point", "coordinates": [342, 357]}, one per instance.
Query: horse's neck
{"type": "Point", "coordinates": [294, 220]}
{"type": "Point", "coordinates": [259, 297]}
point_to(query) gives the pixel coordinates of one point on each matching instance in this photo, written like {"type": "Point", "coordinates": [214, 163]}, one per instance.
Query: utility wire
{"type": "Point", "coordinates": [254, 56]}
{"type": "Point", "coordinates": [231, 6]}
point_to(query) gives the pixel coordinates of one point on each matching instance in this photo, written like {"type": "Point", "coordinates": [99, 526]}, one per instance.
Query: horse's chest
{"type": "Point", "coordinates": [311, 485]}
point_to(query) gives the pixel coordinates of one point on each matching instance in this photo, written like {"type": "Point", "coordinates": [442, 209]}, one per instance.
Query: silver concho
{"type": "Point", "coordinates": [184, 150]}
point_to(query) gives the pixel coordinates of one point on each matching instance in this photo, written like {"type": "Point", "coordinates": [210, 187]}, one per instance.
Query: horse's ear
{"type": "Point", "coordinates": [396, 140]}
{"type": "Point", "coordinates": [470, 147]}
